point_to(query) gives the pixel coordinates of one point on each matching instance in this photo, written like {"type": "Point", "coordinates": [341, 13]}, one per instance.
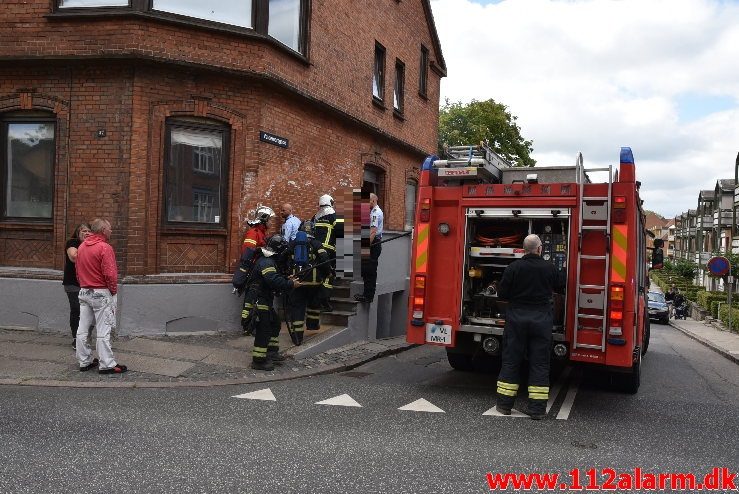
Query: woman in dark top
{"type": "Point", "coordinates": [71, 285]}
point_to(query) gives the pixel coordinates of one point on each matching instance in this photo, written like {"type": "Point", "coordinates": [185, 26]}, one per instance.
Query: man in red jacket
{"type": "Point", "coordinates": [98, 276]}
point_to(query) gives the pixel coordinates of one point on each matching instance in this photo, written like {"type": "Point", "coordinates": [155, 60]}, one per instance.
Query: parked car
{"type": "Point", "coordinates": [658, 307]}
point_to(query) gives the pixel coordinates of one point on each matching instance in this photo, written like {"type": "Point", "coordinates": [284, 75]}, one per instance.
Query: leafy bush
{"type": "Point", "coordinates": [724, 316]}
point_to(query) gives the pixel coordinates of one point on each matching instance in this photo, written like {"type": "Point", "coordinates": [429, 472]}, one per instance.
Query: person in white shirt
{"type": "Point", "coordinates": [292, 223]}
{"type": "Point", "coordinates": [369, 266]}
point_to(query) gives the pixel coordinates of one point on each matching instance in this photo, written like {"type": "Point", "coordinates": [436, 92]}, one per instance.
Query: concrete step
{"type": "Point", "coordinates": [344, 304]}
{"type": "Point", "coordinates": [337, 317]}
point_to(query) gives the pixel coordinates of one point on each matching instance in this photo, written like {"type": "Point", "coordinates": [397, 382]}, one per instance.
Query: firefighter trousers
{"type": "Point", "coordinates": [304, 307]}
{"type": "Point", "coordinates": [528, 333]}
{"type": "Point", "coordinates": [369, 270]}
{"type": "Point", "coordinates": [267, 334]}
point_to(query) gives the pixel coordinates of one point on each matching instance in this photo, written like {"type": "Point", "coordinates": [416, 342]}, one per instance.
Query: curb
{"type": "Point", "coordinates": [328, 369]}
{"type": "Point", "coordinates": [707, 343]}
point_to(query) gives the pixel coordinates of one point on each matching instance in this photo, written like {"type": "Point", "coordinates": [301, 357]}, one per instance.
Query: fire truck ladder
{"type": "Point", "coordinates": [594, 218]}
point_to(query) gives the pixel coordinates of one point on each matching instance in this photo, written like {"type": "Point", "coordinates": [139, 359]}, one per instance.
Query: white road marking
{"type": "Point", "coordinates": [262, 394]}
{"type": "Point", "coordinates": [342, 400]}
{"type": "Point", "coordinates": [422, 405]}
{"type": "Point", "coordinates": [557, 386]}
{"type": "Point", "coordinates": [564, 411]}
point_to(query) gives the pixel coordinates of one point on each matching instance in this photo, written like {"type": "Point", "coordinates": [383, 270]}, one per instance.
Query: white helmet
{"type": "Point", "coordinates": [325, 200]}
{"type": "Point", "coordinates": [261, 215]}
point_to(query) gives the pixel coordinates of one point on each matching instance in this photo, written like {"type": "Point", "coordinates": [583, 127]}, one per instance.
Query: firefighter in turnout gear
{"type": "Point", "coordinates": [326, 226]}
{"type": "Point", "coordinates": [255, 239]}
{"type": "Point", "coordinates": [527, 284]}
{"type": "Point", "coordinates": [257, 234]}
{"type": "Point", "coordinates": [264, 284]}
{"type": "Point", "coordinates": [304, 303]}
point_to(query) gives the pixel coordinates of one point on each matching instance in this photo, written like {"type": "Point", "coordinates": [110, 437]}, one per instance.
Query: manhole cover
{"type": "Point", "coordinates": [357, 374]}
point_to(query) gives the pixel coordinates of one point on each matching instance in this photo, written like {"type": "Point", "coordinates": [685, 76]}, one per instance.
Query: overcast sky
{"type": "Point", "coordinates": [593, 75]}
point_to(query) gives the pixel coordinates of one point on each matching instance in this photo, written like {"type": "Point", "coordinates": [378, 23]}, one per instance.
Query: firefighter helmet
{"type": "Point", "coordinates": [275, 245]}
{"type": "Point", "coordinates": [325, 200]}
{"type": "Point", "coordinates": [262, 214]}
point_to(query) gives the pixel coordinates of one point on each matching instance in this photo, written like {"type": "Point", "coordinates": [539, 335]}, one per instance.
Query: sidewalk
{"type": "Point", "coordinates": [723, 342]}
{"type": "Point", "coordinates": [34, 358]}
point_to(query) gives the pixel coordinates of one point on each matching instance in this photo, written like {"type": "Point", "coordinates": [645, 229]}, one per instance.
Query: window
{"type": "Point", "coordinates": [373, 180]}
{"type": "Point", "coordinates": [237, 13]}
{"type": "Point", "coordinates": [195, 172]}
{"type": "Point", "coordinates": [284, 22]}
{"type": "Point", "coordinates": [204, 159]}
{"type": "Point", "coordinates": [423, 72]}
{"type": "Point", "coordinates": [92, 3]}
{"type": "Point", "coordinates": [399, 86]}
{"type": "Point", "coordinates": [411, 189]}
{"type": "Point", "coordinates": [202, 204]}
{"type": "Point", "coordinates": [28, 152]}
{"type": "Point", "coordinates": [378, 78]}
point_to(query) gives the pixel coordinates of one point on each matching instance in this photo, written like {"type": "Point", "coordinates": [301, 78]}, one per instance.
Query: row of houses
{"type": "Point", "coordinates": [709, 229]}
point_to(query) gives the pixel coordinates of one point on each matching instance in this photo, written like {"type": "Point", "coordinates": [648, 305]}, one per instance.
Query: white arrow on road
{"type": "Point", "coordinates": [422, 405]}
{"type": "Point", "coordinates": [514, 414]}
{"type": "Point", "coordinates": [262, 394]}
{"type": "Point", "coordinates": [342, 400]}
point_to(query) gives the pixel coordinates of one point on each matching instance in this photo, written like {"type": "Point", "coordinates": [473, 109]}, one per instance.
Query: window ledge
{"type": "Point", "coordinates": [196, 230]}
{"type": "Point", "coordinates": [399, 115]}
{"type": "Point", "coordinates": [45, 226]}
{"type": "Point", "coordinates": [423, 96]}
{"type": "Point", "coordinates": [378, 103]}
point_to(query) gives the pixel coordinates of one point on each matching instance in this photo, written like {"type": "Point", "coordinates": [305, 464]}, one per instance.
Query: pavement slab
{"type": "Point", "coordinates": [724, 342]}
{"type": "Point", "coordinates": [36, 358]}
{"type": "Point", "coordinates": [48, 353]}
{"type": "Point", "coordinates": [165, 349]}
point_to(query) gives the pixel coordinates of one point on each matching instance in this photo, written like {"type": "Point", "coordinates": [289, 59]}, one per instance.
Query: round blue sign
{"type": "Point", "coordinates": [719, 266]}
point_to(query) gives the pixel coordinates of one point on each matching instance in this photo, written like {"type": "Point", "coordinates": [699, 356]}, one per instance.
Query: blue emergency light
{"type": "Point", "coordinates": [627, 156]}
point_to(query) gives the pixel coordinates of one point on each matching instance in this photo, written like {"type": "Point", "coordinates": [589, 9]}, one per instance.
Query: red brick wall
{"type": "Point", "coordinates": [120, 176]}
{"type": "Point", "coordinates": [341, 53]}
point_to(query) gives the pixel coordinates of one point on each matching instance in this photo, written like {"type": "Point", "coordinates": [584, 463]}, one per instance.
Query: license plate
{"type": "Point", "coordinates": [441, 334]}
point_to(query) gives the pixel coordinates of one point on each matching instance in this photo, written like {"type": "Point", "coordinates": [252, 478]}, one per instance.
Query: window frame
{"type": "Point", "coordinates": [30, 117]}
{"type": "Point", "coordinates": [423, 74]}
{"type": "Point", "coordinates": [399, 89]}
{"type": "Point", "coordinates": [378, 74]}
{"type": "Point", "coordinates": [209, 126]}
{"type": "Point", "coordinates": [144, 8]}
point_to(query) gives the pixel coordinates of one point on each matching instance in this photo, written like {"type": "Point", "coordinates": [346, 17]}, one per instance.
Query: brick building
{"type": "Point", "coordinates": [173, 120]}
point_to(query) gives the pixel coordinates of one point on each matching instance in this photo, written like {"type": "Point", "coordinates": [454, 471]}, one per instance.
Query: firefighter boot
{"type": "Point", "coordinates": [263, 364]}
{"type": "Point", "coordinates": [275, 357]}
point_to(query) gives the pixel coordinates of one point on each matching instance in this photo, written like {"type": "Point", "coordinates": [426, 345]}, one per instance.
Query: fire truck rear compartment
{"type": "Point", "coordinates": [494, 243]}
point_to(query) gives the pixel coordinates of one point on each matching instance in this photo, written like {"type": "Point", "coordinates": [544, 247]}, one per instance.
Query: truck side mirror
{"type": "Point", "coordinates": [658, 258]}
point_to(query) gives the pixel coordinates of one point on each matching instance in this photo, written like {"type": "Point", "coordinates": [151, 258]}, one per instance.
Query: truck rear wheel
{"type": "Point", "coordinates": [459, 361]}
{"type": "Point", "coordinates": [630, 382]}
{"type": "Point", "coordinates": [645, 340]}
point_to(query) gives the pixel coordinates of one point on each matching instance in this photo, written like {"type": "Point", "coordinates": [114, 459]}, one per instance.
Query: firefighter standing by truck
{"type": "Point", "coordinates": [527, 284]}
{"type": "Point", "coordinates": [264, 284]}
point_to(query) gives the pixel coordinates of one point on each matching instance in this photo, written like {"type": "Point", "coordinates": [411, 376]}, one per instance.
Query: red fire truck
{"type": "Point", "coordinates": [473, 213]}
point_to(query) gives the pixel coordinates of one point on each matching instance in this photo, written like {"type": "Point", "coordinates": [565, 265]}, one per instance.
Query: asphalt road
{"type": "Point", "coordinates": [684, 419]}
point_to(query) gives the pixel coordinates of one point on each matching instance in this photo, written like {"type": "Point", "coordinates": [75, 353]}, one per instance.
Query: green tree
{"type": "Point", "coordinates": [461, 124]}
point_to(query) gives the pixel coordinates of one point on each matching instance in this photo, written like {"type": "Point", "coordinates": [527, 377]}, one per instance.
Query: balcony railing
{"type": "Point", "coordinates": [726, 218]}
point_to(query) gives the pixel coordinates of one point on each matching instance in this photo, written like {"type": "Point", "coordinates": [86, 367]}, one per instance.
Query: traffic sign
{"type": "Point", "coordinates": [719, 266]}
